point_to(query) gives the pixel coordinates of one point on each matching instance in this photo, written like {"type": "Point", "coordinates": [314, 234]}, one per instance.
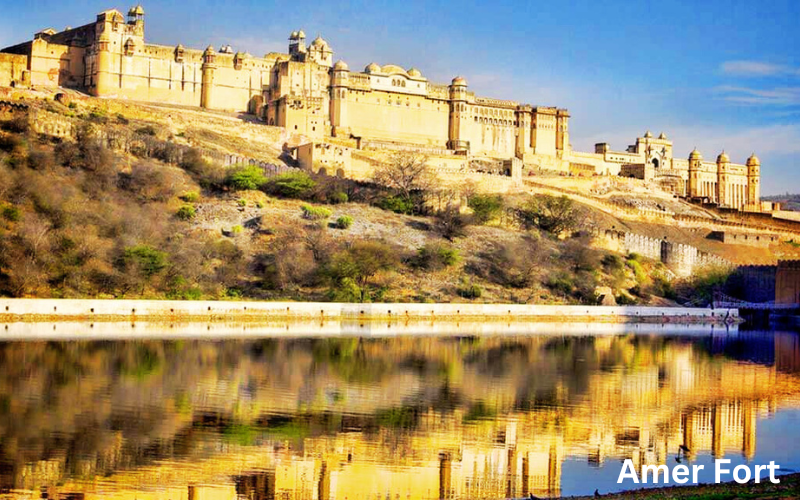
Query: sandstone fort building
{"type": "Point", "coordinates": [387, 107]}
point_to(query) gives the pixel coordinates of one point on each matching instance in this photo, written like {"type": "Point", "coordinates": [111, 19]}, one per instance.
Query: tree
{"type": "Point", "coordinates": [485, 207]}
{"type": "Point", "coordinates": [553, 214]}
{"type": "Point", "coordinates": [406, 173]}
{"type": "Point", "coordinates": [292, 184]}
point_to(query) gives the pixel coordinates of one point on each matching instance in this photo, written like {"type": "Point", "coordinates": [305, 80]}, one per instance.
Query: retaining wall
{"type": "Point", "coordinates": [12, 310]}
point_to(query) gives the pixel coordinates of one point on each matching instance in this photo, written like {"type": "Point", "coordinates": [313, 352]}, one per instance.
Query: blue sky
{"type": "Point", "coordinates": [716, 74]}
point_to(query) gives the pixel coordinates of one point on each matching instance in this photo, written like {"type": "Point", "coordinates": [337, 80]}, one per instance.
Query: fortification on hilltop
{"type": "Point", "coordinates": [385, 107]}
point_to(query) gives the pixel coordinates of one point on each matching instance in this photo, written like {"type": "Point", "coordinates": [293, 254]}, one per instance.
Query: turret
{"type": "Point", "coordinates": [723, 191]}
{"type": "Point", "coordinates": [297, 45]}
{"type": "Point", "coordinates": [754, 181]}
{"type": "Point", "coordinates": [136, 19]}
{"type": "Point", "coordinates": [339, 91]}
{"type": "Point", "coordinates": [458, 115]}
{"type": "Point", "coordinates": [695, 163]}
{"type": "Point", "coordinates": [320, 52]}
{"type": "Point", "coordinates": [562, 131]}
{"type": "Point", "coordinates": [208, 69]}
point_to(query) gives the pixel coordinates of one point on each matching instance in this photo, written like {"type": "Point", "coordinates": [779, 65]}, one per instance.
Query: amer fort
{"type": "Point", "coordinates": [338, 111]}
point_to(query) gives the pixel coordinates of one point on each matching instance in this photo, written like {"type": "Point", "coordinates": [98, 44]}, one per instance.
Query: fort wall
{"type": "Point", "coordinates": [681, 258]}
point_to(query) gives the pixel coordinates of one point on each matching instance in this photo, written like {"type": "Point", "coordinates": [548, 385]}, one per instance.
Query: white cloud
{"type": "Point", "coordinates": [758, 68]}
{"type": "Point", "coordinates": [779, 96]}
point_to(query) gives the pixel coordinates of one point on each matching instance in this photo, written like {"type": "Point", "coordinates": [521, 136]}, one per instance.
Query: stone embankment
{"type": "Point", "coordinates": [167, 311]}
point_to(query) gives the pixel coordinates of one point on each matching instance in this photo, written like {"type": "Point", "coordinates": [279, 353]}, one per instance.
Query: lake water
{"type": "Point", "coordinates": [425, 417]}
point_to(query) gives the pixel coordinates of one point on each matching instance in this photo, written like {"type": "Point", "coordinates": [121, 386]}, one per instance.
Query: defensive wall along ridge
{"type": "Point", "coordinates": [16, 310]}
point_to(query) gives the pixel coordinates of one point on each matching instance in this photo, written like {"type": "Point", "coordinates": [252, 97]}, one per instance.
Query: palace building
{"type": "Point", "coordinates": [387, 106]}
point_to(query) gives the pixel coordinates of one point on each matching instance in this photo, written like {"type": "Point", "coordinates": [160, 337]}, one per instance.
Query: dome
{"type": "Point", "coordinates": [293, 36]}
{"type": "Point", "coordinates": [648, 135]}
{"type": "Point", "coordinates": [723, 158]}
{"type": "Point", "coordinates": [372, 68]}
{"type": "Point", "coordinates": [301, 34]}
{"type": "Point", "coordinates": [414, 73]}
{"type": "Point", "coordinates": [753, 161]}
{"type": "Point", "coordinates": [319, 42]}
{"type": "Point", "coordinates": [136, 11]}
{"type": "Point", "coordinates": [340, 66]}
{"type": "Point", "coordinates": [695, 155]}
{"type": "Point", "coordinates": [393, 69]}
{"type": "Point", "coordinates": [459, 80]}
{"type": "Point", "coordinates": [662, 136]}
{"type": "Point", "coordinates": [209, 50]}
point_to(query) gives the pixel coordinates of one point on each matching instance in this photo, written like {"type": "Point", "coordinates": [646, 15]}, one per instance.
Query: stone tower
{"type": "Point", "coordinates": [339, 92]}
{"type": "Point", "coordinates": [562, 131]}
{"type": "Point", "coordinates": [458, 115]}
{"type": "Point", "coordinates": [695, 159]}
{"type": "Point", "coordinates": [320, 52]}
{"type": "Point", "coordinates": [209, 68]}
{"type": "Point", "coordinates": [723, 167]}
{"type": "Point", "coordinates": [523, 130]}
{"type": "Point", "coordinates": [297, 45]}
{"type": "Point", "coordinates": [753, 182]}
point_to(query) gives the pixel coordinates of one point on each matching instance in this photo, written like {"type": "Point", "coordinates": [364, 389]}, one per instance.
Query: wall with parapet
{"type": "Point", "coordinates": [681, 258]}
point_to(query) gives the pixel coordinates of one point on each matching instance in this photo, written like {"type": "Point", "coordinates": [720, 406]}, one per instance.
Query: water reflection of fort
{"type": "Point", "coordinates": [498, 436]}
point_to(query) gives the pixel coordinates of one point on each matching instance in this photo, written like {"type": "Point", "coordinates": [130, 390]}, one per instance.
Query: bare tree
{"type": "Point", "coordinates": [406, 172]}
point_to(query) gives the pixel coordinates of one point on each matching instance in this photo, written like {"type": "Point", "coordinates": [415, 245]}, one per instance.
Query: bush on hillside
{"type": "Point", "coordinates": [315, 213]}
{"type": "Point", "coordinates": [186, 212]}
{"type": "Point", "coordinates": [485, 207]}
{"type": "Point", "coordinates": [344, 222]}
{"type": "Point", "coordinates": [248, 177]}
{"type": "Point", "coordinates": [291, 185]}
{"type": "Point", "coordinates": [435, 256]}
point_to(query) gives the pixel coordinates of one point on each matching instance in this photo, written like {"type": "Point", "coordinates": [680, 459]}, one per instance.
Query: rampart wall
{"type": "Point", "coordinates": [681, 258]}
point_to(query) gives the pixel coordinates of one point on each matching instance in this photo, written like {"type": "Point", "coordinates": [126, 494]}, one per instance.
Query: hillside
{"type": "Point", "coordinates": [81, 219]}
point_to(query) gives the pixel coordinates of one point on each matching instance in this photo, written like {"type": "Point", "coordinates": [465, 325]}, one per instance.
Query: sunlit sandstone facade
{"type": "Point", "coordinates": [306, 93]}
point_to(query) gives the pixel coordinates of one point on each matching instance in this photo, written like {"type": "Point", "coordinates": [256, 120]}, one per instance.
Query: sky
{"type": "Point", "coordinates": [711, 74]}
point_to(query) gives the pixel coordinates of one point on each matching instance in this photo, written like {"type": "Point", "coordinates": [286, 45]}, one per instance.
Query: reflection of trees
{"type": "Point", "coordinates": [120, 404]}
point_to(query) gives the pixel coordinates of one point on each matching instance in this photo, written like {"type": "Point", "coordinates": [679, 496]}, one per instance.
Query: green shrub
{"type": "Point", "coordinates": [190, 196]}
{"type": "Point", "coordinates": [638, 270]}
{"type": "Point", "coordinates": [315, 213]}
{"type": "Point", "coordinates": [435, 256]}
{"type": "Point", "coordinates": [624, 299]}
{"type": "Point", "coordinates": [72, 105]}
{"type": "Point", "coordinates": [147, 130]}
{"type": "Point", "coordinates": [241, 202]}
{"type": "Point", "coordinates": [485, 207]}
{"type": "Point", "coordinates": [236, 229]}
{"type": "Point", "coordinates": [344, 222]}
{"type": "Point", "coordinates": [612, 262]}
{"type": "Point", "coordinates": [396, 204]}
{"type": "Point", "coordinates": [561, 283]}
{"type": "Point", "coordinates": [12, 213]}
{"type": "Point", "coordinates": [145, 258]}
{"type": "Point", "coordinates": [98, 115]}
{"type": "Point", "coordinates": [292, 184]}
{"type": "Point", "coordinates": [121, 119]}
{"type": "Point", "coordinates": [469, 290]}
{"type": "Point", "coordinates": [339, 197]}
{"type": "Point", "coordinates": [186, 212]}
{"type": "Point", "coordinates": [259, 204]}
{"type": "Point", "coordinates": [247, 177]}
